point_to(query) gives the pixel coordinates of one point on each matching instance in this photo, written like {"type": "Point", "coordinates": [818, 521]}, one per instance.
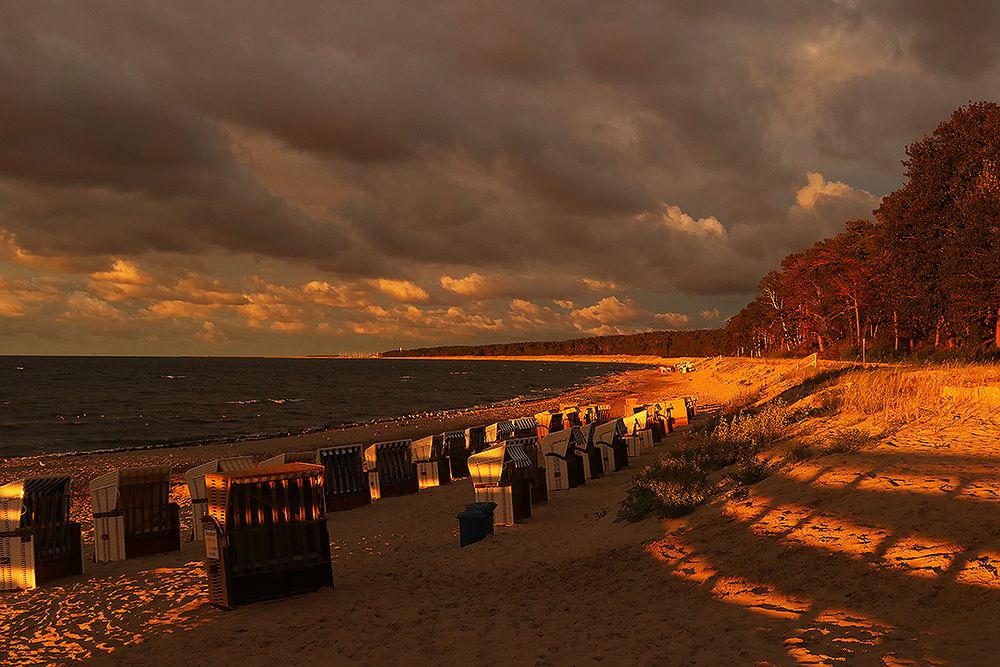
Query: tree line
{"type": "Point", "coordinates": [923, 276]}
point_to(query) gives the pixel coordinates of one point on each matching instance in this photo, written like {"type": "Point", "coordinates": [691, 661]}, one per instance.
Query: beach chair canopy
{"type": "Point", "coordinates": [34, 501]}
{"type": "Point", "coordinates": [607, 433]}
{"type": "Point", "coordinates": [430, 448]}
{"type": "Point", "coordinates": [523, 426]}
{"type": "Point", "coordinates": [582, 438]}
{"type": "Point", "coordinates": [308, 456]}
{"type": "Point", "coordinates": [294, 493]}
{"type": "Point", "coordinates": [111, 491]}
{"type": "Point", "coordinates": [391, 460]}
{"type": "Point", "coordinates": [561, 443]}
{"type": "Point", "coordinates": [456, 437]}
{"type": "Point", "coordinates": [635, 422]}
{"type": "Point", "coordinates": [500, 464]}
{"type": "Point", "coordinates": [195, 477]}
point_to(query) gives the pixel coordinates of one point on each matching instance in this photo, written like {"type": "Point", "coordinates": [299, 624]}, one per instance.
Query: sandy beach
{"type": "Point", "coordinates": [889, 555]}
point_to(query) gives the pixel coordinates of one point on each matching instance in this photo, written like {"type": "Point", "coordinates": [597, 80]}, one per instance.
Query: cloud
{"type": "Point", "coordinates": [473, 284]}
{"type": "Point", "coordinates": [673, 320]}
{"type": "Point", "coordinates": [672, 217]}
{"type": "Point", "coordinates": [710, 314]}
{"type": "Point", "coordinates": [817, 188]}
{"type": "Point", "coordinates": [401, 290]}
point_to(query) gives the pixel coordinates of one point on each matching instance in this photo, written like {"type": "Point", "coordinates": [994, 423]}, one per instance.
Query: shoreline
{"type": "Point", "coordinates": [512, 402]}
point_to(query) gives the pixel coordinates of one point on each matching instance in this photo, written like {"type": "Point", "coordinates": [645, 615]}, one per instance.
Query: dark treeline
{"type": "Point", "coordinates": [923, 277]}
{"type": "Point", "coordinates": [701, 342]}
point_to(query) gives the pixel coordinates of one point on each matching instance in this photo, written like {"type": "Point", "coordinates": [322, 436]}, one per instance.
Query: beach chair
{"type": "Point", "coordinates": [539, 486]}
{"type": "Point", "coordinates": [475, 439]}
{"type": "Point", "coordinates": [503, 474]}
{"type": "Point", "coordinates": [638, 437]}
{"type": "Point", "coordinates": [195, 478]}
{"type": "Point", "coordinates": [691, 402]}
{"type": "Point", "coordinates": [133, 515]}
{"type": "Point", "coordinates": [547, 422]}
{"type": "Point", "coordinates": [38, 542]}
{"type": "Point", "coordinates": [265, 534]}
{"type": "Point", "coordinates": [390, 469]}
{"type": "Point", "coordinates": [431, 459]}
{"type": "Point", "coordinates": [609, 437]}
{"type": "Point", "coordinates": [344, 477]}
{"type": "Point", "coordinates": [603, 413]}
{"type": "Point", "coordinates": [593, 460]}
{"type": "Point", "coordinates": [290, 457]}
{"type": "Point", "coordinates": [455, 444]}
{"type": "Point", "coordinates": [564, 466]}
{"type": "Point", "coordinates": [630, 403]}
{"type": "Point", "coordinates": [678, 412]}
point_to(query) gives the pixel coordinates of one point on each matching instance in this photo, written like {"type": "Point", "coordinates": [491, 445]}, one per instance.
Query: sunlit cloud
{"type": "Point", "coordinates": [401, 290]}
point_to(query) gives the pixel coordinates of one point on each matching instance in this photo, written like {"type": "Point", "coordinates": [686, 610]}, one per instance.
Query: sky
{"type": "Point", "coordinates": [325, 177]}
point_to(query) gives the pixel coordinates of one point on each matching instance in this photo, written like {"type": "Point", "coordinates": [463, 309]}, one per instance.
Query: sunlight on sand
{"type": "Point", "coordinates": [99, 615]}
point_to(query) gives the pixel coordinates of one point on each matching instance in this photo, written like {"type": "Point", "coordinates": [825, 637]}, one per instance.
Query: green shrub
{"type": "Point", "coordinates": [670, 487]}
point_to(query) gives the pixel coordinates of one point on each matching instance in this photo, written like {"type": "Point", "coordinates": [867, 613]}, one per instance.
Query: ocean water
{"type": "Point", "coordinates": [66, 404]}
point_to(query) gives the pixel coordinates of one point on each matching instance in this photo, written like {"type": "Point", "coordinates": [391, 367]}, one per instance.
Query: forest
{"type": "Point", "coordinates": [921, 278]}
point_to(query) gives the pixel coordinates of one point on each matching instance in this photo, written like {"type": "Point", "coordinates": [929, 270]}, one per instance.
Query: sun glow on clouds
{"type": "Point", "coordinates": [817, 187]}
{"type": "Point", "coordinates": [673, 218]}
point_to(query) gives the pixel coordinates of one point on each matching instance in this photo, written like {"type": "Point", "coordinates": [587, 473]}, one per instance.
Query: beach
{"type": "Point", "coordinates": [887, 555]}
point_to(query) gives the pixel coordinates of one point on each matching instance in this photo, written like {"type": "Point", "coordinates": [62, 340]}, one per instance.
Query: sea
{"type": "Point", "coordinates": [81, 404]}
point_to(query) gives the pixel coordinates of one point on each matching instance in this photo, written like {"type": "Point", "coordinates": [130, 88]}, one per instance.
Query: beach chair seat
{"type": "Point", "coordinates": [133, 515]}
{"type": "Point", "coordinates": [344, 477]}
{"type": "Point", "coordinates": [503, 474]}
{"type": "Point", "coordinates": [38, 542]}
{"type": "Point", "coordinates": [195, 478]}
{"type": "Point", "coordinates": [390, 469]}
{"type": "Point", "coordinates": [265, 534]}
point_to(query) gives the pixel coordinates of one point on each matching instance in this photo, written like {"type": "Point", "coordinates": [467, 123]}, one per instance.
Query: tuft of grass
{"type": "Point", "coordinates": [741, 401]}
{"type": "Point", "coordinates": [849, 440]}
{"type": "Point", "coordinates": [801, 452]}
{"type": "Point", "coordinates": [670, 487]}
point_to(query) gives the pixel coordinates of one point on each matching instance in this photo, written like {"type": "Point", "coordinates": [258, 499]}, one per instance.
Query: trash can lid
{"type": "Point", "coordinates": [487, 506]}
{"type": "Point", "coordinates": [470, 514]}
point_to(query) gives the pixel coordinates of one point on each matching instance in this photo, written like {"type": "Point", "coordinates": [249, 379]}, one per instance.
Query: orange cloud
{"type": "Point", "coordinates": [401, 290]}
{"type": "Point", "coordinates": [10, 250]}
{"type": "Point", "coordinates": [177, 309]}
{"type": "Point", "coordinates": [473, 284]}
{"type": "Point", "coordinates": [672, 217]}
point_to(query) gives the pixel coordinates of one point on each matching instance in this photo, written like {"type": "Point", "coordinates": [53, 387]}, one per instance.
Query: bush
{"type": "Point", "coordinates": [801, 452]}
{"type": "Point", "coordinates": [751, 470]}
{"type": "Point", "coordinates": [849, 440]}
{"type": "Point", "coordinates": [670, 487]}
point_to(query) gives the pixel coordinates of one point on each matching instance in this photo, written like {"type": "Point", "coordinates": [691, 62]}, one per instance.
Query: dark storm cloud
{"type": "Point", "coordinates": [466, 136]}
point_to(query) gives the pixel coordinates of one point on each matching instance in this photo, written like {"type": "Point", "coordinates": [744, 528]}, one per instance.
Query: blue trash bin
{"type": "Point", "coordinates": [487, 509]}
{"type": "Point", "coordinates": [471, 526]}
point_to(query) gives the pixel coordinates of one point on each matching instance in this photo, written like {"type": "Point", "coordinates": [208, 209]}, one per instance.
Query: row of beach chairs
{"type": "Point", "coordinates": [264, 523]}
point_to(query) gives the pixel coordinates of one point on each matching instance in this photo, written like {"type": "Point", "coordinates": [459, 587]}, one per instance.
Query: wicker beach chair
{"type": "Point", "coordinates": [609, 437]}
{"type": "Point", "coordinates": [344, 477]}
{"type": "Point", "coordinates": [539, 485]}
{"type": "Point", "coordinates": [431, 459]}
{"type": "Point", "coordinates": [564, 466]}
{"type": "Point", "coordinates": [133, 515]}
{"type": "Point", "coordinates": [503, 474]}
{"type": "Point", "coordinates": [266, 534]}
{"type": "Point", "coordinates": [677, 411]}
{"type": "Point", "coordinates": [390, 469]}
{"type": "Point", "coordinates": [638, 436]}
{"type": "Point", "coordinates": [38, 542]}
{"type": "Point", "coordinates": [475, 439]}
{"type": "Point", "coordinates": [456, 445]}
{"type": "Point", "coordinates": [195, 478]}
{"type": "Point", "coordinates": [593, 460]}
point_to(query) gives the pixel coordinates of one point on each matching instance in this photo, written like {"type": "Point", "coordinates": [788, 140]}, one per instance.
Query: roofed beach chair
{"type": "Point", "coordinates": [638, 436]}
{"type": "Point", "coordinates": [195, 478]}
{"type": "Point", "coordinates": [38, 542]}
{"type": "Point", "coordinates": [678, 411]}
{"type": "Point", "coordinates": [133, 515]}
{"type": "Point", "coordinates": [609, 437]}
{"type": "Point", "coordinates": [455, 444]}
{"type": "Point", "coordinates": [502, 474]}
{"type": "Point", "coordinates": [344, 477]}
{"type": "Point", "coordinates": [475, 439]}
{"type": "Point", "coordinates": [266, 534]}
{"type": "Point", "coordinates": [593, 460]}
{"type": "Point", "coordinates": [390, 469]}
{"type": "Point", "coordinates": [564, 466]}
{"type": "Point", "coordinates": [431, 459]}
{"type": "Point", "coordinates": [308, 456]}
{"type": "Point", "coordinates": [539, 486]}
{"type": "Point", "coordinates": [547, 422]}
